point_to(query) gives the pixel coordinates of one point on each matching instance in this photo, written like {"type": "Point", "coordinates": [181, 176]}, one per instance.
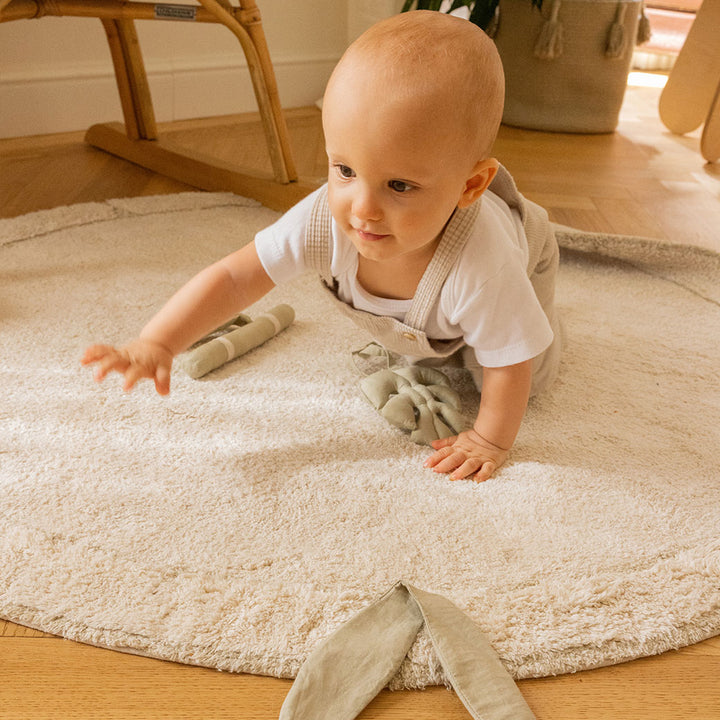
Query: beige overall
{"type": "Point", "coordinates": [408, 338]}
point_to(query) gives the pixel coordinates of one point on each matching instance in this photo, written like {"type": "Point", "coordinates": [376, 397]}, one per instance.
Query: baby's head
{"type": "Point", "coordinates": [432, 68]}
{"type": "Point", "coordinates": [410, 115]}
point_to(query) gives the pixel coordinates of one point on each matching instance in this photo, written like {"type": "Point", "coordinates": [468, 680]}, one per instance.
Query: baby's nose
{"type": "Point", "coordinates": [366, 206]}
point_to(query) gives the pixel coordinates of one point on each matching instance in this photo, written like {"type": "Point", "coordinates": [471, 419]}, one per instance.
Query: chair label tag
{"type": "Point", "coordinates": [175, 12]}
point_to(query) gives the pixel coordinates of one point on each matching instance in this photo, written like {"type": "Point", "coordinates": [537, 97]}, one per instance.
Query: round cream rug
{"type": "Point", "coordinates": [244, 518]}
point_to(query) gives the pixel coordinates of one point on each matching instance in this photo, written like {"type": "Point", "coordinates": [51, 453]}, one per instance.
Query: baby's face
{"type": "Point", "coordinates": [396, 172]}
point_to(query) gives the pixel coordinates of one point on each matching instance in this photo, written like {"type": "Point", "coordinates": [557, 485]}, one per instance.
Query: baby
{"type": "Point", "coordinates": [419, 236]}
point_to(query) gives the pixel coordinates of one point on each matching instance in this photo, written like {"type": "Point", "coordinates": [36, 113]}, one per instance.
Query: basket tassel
{"type": "Point", "coordinates": [549, 44]}
{"type": "Point", "coordinates": [644, 31]}
{"type": "Point", "coordinates": [616, 37]}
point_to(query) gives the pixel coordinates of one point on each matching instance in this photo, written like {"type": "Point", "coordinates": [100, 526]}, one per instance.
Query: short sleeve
{"type": "Point", "coordinates": [281, 246]}
{"type": "Point", "coordinates": [488, 295]}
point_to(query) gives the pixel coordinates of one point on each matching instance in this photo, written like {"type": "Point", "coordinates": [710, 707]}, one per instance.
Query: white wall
{"type": "Point", "coordinates": [56, 74]}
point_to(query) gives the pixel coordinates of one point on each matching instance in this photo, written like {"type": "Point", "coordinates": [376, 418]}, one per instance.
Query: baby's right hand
{"type": "Point", "coordinates": [139, 359]}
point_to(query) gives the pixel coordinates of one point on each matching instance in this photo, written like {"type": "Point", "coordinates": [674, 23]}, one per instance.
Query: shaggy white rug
{"type": "Point", "coordinates": [242, 519]}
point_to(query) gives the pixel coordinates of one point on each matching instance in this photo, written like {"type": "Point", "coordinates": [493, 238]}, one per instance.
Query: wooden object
{"type": "Point", "coordinates": [692, 93]}
{"type": "Point", "coordinates": [139, 140]}
{"type": "Point", "coordinates": [46, 678]}
{"type": "Point", "coordinates": [710, 140]}
{"type": "Point", "coordinates": [165, 157]}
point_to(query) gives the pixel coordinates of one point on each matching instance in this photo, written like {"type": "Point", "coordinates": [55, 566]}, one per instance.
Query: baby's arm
{"type": "Point", "coordinates": [482, 450]}
{"type": "Point", "coordinates": [215, 294]}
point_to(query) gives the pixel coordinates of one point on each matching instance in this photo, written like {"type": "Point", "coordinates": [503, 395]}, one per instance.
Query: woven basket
{"type": "Point", "coordinates": [566, 67]}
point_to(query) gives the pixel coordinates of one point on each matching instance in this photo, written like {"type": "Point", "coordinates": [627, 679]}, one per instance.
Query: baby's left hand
{"type": "Point", "coordinates": [465, 455]}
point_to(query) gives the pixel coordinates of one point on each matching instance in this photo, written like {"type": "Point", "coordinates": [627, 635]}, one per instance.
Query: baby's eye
{"type": "Point", "coordinates": [399, 186]}
{"type": "Point", "coordinates": [345, 171]}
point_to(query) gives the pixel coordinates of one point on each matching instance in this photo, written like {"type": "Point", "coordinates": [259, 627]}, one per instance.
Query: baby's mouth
{"type": "Point", "coordinates": [370, 237]}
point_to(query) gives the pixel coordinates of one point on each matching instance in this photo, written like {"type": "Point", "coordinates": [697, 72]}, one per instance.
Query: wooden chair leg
{"type": "Point", "coordinates": [131, 79]}
{"type": "Point", "coordinates": [138, 142]}
{"type": "Point", "coordinates": [257, 35]}
{"type": "Point", "coordinates": [197, 169]}
{"type": "Point", "coordinates": [246, 25]}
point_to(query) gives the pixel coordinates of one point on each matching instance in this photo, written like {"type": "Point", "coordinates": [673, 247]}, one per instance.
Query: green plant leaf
{"type": "Point", "coordinates": [481, 11]}
{"type": "Point", "coordinates": [422, 5]}
{"type": "Point", "coordinates": [460, 3]}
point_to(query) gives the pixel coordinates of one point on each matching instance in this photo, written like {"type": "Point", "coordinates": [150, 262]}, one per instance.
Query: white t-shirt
{"type": "Point", "coordinates": [487, 298]}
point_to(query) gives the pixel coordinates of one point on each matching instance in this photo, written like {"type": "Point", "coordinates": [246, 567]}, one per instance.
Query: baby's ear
{"type": "Point", "coordinates": [479, 181]}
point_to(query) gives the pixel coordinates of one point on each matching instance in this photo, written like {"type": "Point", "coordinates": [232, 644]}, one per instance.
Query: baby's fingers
{"type": "Point", "coordinates": [436, 457]}
{"type": "Point", "coordinates": [445, 460]}
{"type": "Point", "coordinates": [443, 442]}
{"type": "Point", "coordinates": [132, 374]}
{"type": "Point", "coordinates": [115, 363]}
{"type": "Point", "coordinates": [471, 466]}
{"type": "Point", "coordinates": [95, 353]}
{"type": "Point", "coordinates": [107, 359]}
{"type": "Point", "coordinates": [486, 471]}
{"type": "Point", "coordinates": [450, 460]}
{"type": "Point", "coordinates": [137, 372]}
{"type": "Point", "coordinates": [162, 381]}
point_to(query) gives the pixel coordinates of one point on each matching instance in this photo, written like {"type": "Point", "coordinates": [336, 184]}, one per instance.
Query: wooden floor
{"type": "Point", "coordinates": [639, 180]}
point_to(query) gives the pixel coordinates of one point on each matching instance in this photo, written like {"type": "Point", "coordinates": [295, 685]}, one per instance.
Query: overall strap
{"type": "Point", "coordinates": [452, 242]}
{"type": "Point", "coordinates": [318, 254]}
{"type": "Point", "coordinates": [318, 238]}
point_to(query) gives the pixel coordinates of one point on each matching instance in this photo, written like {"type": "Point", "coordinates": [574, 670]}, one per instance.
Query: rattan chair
{"type": "Point", "coordinates": [138, 140]}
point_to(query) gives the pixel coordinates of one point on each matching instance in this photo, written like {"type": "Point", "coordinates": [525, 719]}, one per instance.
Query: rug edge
{"type": "Point", "coordinates": [50, 220]}
{"type": "Point", "coordinates": [625, 247]}
{"type": "Point", "coordinates": [579, 659]}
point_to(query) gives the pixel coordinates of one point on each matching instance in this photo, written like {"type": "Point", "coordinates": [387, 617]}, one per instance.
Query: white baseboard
{"type": "Point", "coordinates": [73, 98]}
